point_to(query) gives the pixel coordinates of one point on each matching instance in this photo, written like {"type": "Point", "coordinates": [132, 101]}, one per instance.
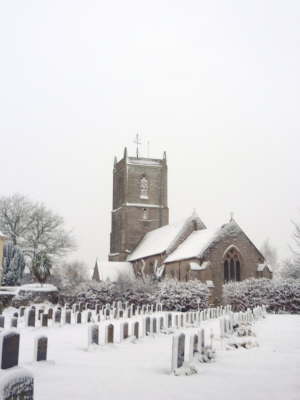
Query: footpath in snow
{"type": "Point", "coordinates": [141, 370]}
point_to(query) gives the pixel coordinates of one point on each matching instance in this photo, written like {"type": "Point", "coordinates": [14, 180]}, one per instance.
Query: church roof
{"type": "Point", "coordinates": [200, 241]}
{"type": "Point", "coordinates": [164, 239]}
{"type": "Point", "coordinates": [112, 270]}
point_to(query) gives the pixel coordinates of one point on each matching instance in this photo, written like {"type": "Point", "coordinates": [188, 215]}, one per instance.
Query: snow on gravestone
{"type": "Point", "coordinates": [178, 349]}
{"type": "Point", "coordinates": [17, 385]}
{"type": "Point", "coordinates": [40, 348]}
{"type": "Point", "coordinates": [9, 349]}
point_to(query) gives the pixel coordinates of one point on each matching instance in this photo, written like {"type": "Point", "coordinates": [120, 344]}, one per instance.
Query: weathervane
{"type": "Point", "coordinates": [137, 142]}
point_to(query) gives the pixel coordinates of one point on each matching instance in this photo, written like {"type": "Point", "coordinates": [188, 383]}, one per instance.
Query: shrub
{"type": "Point", "coordinates": [281, 295]}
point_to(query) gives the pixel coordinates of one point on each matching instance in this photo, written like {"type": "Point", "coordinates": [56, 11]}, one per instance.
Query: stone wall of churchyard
{"type": "Point", "coordinates": [280, 295]}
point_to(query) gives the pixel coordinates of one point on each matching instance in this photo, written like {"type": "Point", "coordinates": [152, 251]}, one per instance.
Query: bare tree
{"type": "Point", "coordinates": [291, 268]}
{"type": "Point", "coordinates": [38, 231]}
{"type": "Point", "coordinates": [270, 254]}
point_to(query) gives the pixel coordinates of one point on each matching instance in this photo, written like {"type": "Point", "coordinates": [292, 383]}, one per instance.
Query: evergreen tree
{"type": "Point", "coordinates": [13, 264]}
{"type": "Point", "coordinates": [41, 267]}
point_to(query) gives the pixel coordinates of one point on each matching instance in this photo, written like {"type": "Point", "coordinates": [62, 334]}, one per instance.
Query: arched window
{"type": "Point", "coordinates": [144, 188]}
{"type": "Point", "coordinates": [232, 265]}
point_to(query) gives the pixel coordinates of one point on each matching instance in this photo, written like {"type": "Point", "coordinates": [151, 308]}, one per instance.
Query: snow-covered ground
{"type": "Point", "coordinates": [141, 370]}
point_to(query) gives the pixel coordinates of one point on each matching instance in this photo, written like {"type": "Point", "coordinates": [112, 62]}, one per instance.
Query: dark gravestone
{"type": "Point", "coordinates": [182, 319]}
{"type": "Point", "coordinates": [110, 333]}
{"type": "Point", "coordinates": [2, 321]}
{"type": "Point", "coordinates": [16, 315]}
{"type": "Point", "coordinates": [107, 313]}
{"type": "Point", "coordinates": [129, 313]}
{"type": "Point", "coordinates": [9, 344]}
{"type": "Point", "coordinates": [45, 320]}
{"type": "Point", "coordinates": [202, 334]}
{"type": "Point", "coordinates": [99, 317]}
{"type": "Point", "coordinates": [50, 313]}
{"type": "Point", "coordinates": [22, 311]}
{"type": "Point", "coordinates": [195, 344]}
{"type": "Point", "coordinates": [148, 326]}
{"type": "Point", "coordinates": [97, 308]}
{"type": "Point", "coordinates": [89, 316]}
{"type": "Point", "coordinates": [14, 322]}
{"type": "Point", "coordinates": [169, 320]}
{"type": "Point", "coordinates": [31, 317]}
{"type": "Point", "coordinates": [41, 346]}
{"type": "Point", "coordinates": [177, 321]}
{"type": "Point", "coordinates": [68, 317]}
{"type": "Point", "coordinates": [180, 352]}
{"type": "Point", "coordinates": [57, 316]}
{"type": "Point", "coordinates": [154, 326]}
{"type": "Point", "coordinates": [40, 313]}
{"type": "Point", "coordinates": [78, 318]}
{"type": "Point", "coordinates": [94, 334]}
{"type": "Point", "coordinates": [125, 330]}
{"type": "Point", "coordinates": [81, 306]}
{"type": "Point", "coordinates": [18, 385]}
{"type": "Point", "coordinates": [161, 319]}
{"type": "Point", "coordinates": [136, 329]}
{"type": "Point", "coordinates": [121, 313]}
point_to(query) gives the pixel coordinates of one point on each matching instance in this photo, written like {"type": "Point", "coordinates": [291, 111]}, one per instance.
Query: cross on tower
{"type": "Point", "coordinates": [137, 142]}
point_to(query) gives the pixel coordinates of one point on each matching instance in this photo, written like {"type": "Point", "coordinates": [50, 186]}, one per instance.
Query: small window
{"type": "Point", "coordinates": [145, 213]}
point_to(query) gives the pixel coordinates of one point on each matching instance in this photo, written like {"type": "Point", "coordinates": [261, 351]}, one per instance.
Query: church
{"type": "Point", "coordinates": [143, 242]}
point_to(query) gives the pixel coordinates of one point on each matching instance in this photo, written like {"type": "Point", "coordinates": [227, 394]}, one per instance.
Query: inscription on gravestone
{"type": "Point", "coordinates": [50, 313]}
{"type": "Point", "coordinates": [57, 316]}
{"type": "Point", "coordinates": [31, 317]}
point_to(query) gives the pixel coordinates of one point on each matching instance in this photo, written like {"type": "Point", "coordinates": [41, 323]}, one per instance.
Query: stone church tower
{"type": "Point", "coordinates": [140, 202]}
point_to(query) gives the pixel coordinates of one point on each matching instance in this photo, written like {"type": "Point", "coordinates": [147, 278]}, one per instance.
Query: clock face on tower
{"type": "Point", "coordinates": [144, 186]}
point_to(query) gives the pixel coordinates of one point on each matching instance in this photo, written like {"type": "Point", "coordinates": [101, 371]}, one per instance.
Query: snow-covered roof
{"type": "Point", "coordinates": [112, 270]}
{"type": "Point", "coordinates": [162, 239]}
{"type": "Point", "coordinates": [261, 267]}
{"type": "Point", "coordinates": [199, 241]}
{"type": "Point", "coordinates": [193, 246]}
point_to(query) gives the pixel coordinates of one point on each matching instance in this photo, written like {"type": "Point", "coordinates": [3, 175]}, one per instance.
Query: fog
{"type": "Point", "coordinates": [214, 83]}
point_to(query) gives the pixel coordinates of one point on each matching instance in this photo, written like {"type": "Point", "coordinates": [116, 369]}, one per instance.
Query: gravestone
{"type": "Point", "coordinates": [68, 317]}
{"type": "Point", "coordinates": [148, 326]}
{"type": "Point", "coordinates": [22, 311]}
{"type": "Point", "coordinates": [177, 321]}
{"type": "Point", "coordinates": [121, 313]}
{"type": "Point", "coordinates": [50, 313]}
{"type": "Point", "coordinates": [31, 317]}
{"type": "Point", "coordinates": [202, 340]}
{"type": "Point", "coordinates": [93, 334]}
{"type": "Point", "coordinates": [40, 312]}
{"type": "Point", "coordinates": [45, 320]}
{"type": "Point", "coordinates": [125, 330]}
{"type": "Point", "coordinates": [161, 319]}
{"type": "Point", "coordinates": [16, 314]}
{"type": "Point", "coordinates": [178, 349]}
{"type": "Point", "coordinates": [89, 316]}
{"type": "Point", "coordinates": [17, 385]}
{"type": "Point", "coordinates": [78, 318]}
{"type": "Point", "coordinates": [9, 349]}
{"type": "Point", "coordinates": [57, 316]}
{"type": "Point", "coordinates": [99, 317]}
{"type": "Point", "coordinates": [195, 344]}
{"type": "Point", "coordinates": [169, 320]}
{"type": "Point", "coordinates": [136, 328]}
{"type": "Point", "coordinates": [182, 319]}
{"type": "Point", "coordinates": [98, 308]}
{"type": "Point", "coordinates": [40, 348]}
{"type": "Point", "coordinates": [110, 333]}
{"type": "Point", "coordinates": [2, 321]}
{"type": "Point", "coordinates": [14, 322]}
{"type": "Point", "coordinates": [154, 325]}
{"type": "Point", "coordinates": [180, 352]}
{"type": "Point", "coordinates": [107, 313]}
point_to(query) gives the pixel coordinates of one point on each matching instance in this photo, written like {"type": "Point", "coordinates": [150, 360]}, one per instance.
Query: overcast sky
{"type": "Point", "coordinates": [214, 83]}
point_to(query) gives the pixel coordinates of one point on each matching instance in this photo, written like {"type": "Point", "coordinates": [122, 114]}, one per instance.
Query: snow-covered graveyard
{"type": "Point", "coordinates": [145, 352]}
